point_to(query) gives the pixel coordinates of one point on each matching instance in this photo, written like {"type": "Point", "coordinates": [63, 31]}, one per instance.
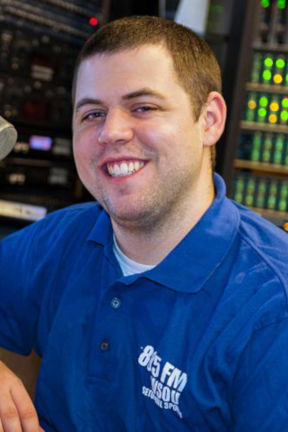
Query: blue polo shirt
{"type": "Point", "coordinates": [199, 343]}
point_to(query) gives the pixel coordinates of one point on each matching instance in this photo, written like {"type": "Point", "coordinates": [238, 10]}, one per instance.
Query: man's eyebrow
{"type": "Point", "coordinates": [128, 96]}
{"type": "Point", "coordinates": [143, 92]}
{"type": "Point", "coordinates": [87, 101]}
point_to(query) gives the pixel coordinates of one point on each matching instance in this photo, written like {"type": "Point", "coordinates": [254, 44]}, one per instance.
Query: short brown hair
{"type": "Point", "coordinates": [194, 62]}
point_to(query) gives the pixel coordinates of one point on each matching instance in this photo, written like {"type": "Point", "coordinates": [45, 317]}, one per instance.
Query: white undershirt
{"type": "Point", "coordinates": [128, 266]}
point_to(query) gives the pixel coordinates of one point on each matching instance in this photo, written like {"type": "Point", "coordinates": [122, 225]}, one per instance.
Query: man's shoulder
{"type": "Point", "coordinates": [88, 211]}
{"type": "Point", "coordinates": [262, 234]}
{"type": "Point", "coordinates": [76, 220]}
{"type": "Point", "coordinates": [266, 242]}
{"type": "Point", "coordinates": [72, 222]}
{"type": "Point", "coordinates": [257, 285]}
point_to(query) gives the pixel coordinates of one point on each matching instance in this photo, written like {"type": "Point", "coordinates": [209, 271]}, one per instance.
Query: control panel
{"type": "Point", "coordinates": [260, 178]}
{"type": "Point", "coordinates": [39, 43]}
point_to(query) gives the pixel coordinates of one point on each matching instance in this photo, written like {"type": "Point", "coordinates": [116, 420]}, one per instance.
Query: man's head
{"type": "Point", "coordinates": [194, 62]}
{"type": "Point", "coordinates": [141, 141]}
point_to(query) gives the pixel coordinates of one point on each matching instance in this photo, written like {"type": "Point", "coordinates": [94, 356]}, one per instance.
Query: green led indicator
{"type": "Point", "coordinates": [263, 101]}
{"type": "Point", "coordinates": [280, 63]}
{"type": "Point", "coordinates": [267, 75]}
{"type": "Point", "coordinates": [284, 102]}
{"type": "Point", "coordinates": [284, 116]}
{"type": "Point", "coordinates": [262, 112]}
{"type": "Point", "coordinates": [281, 4]}
{"type": "Point", "coordinates": [268, 62]}
{"type": "Point", "coordinates": [265, 3]}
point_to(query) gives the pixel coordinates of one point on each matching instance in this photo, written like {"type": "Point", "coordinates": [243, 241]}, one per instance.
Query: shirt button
{"type": "Point", "coordinates": [104, 346]}
{"type": "Point", "coordinates": [115, 302]}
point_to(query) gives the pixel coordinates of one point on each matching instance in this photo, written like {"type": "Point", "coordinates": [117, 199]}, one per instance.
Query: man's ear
{"type": "Point", "coordinates": [214, 118]}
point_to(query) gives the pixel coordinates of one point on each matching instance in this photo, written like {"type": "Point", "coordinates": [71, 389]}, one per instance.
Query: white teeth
{"type": "Point", "coordinates": [124, 168]}
{"type": "Point", "coordinates": [117, 170]}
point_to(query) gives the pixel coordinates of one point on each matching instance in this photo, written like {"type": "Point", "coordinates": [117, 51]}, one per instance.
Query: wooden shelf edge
{"type": "Point", "coordinates": [261, 166]}
{"type": "Point", "coordinates": [267, 88]}
{"type": "Point", "coordinates": [273, 214]}
{"type": "Point", "coordinates": [253, 126]}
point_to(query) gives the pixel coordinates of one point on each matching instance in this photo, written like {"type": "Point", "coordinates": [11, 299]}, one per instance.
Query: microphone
{"type": "Point", "coordinates": [8, 137]}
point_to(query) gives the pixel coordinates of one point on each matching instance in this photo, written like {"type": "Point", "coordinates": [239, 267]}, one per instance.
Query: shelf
{"type": "Point", "coordinates": [261, 166]}
{"type": "Point", "coordinates": [263, 127]}
{"type": "Point", "coordinates": [268, 47]}
{"type": "Point", "coordinates": [267, 88]}
{"type": "Point", "coordinates": [270, 214]}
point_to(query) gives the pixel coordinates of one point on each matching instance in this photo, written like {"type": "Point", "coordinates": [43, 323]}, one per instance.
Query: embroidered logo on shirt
{"type": "Point", "coordinates": [167, 381]}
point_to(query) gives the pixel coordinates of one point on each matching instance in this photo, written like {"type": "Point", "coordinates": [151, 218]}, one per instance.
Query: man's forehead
{"type": "Point", "coordinates": [149, 51]}
{"type": "Point", "coordinates": [129, 63]}
{"type": "Point", "coordinates": [146, 69]}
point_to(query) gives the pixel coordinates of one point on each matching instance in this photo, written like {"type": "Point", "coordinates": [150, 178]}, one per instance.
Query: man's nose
{"type": "Point", "coordinates": [116, 128]}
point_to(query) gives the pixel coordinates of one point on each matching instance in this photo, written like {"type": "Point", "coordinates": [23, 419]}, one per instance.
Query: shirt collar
{"type": "Point", "coordinates": [192, 262]}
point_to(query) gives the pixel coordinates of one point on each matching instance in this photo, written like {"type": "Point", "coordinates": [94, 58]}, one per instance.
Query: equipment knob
{"type": "Point", "coordinates": [8, 137]}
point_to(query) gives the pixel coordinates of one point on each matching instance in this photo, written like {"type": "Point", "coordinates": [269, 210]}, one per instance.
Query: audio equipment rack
{"type": "Point", "coordinates": [39, 42]}
{"type": "Point", "coordinates": [256, 158]}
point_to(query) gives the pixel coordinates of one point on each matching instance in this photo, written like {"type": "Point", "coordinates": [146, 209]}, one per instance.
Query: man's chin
{"type": "Point", "coordinates": [134, 219]}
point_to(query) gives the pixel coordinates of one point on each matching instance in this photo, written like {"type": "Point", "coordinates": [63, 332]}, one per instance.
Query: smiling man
{"type": "Point", "coordinates": [151, 168]}
{"type": "Point", "coordinates": [163, 305]}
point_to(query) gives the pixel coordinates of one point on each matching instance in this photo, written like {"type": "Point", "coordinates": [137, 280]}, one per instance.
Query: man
{"type": "Point", "coordinates": [165, 310]}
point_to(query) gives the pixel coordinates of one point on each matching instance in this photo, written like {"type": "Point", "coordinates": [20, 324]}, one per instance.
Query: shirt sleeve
{"type": "Point", "coordinates": [20, 293]}
{"type": "Point", "coordinates": [260, 390]}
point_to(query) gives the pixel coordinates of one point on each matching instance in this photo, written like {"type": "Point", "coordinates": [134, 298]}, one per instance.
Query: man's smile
{"type": "Point", "coordinates": [123, 168]}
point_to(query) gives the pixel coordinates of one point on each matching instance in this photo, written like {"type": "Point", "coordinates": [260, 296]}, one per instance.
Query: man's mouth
{"type": "Point", "coordinates": [123, 168]}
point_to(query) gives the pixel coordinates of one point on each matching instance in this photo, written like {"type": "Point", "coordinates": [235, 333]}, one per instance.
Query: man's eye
{"type": "Point", "coordinates": [145, 108]}
{"type": "Point", "coordinates": [93, 115]}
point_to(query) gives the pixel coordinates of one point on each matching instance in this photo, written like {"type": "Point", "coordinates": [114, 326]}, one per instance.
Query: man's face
{"type": "Point", "coordinates": [137, 147]}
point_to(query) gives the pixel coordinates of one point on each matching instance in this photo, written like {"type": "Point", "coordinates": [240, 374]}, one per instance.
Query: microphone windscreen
{"type": "Point", "coordinates": [8, 137]}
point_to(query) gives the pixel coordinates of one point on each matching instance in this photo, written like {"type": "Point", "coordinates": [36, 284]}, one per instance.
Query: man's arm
{"type": "Point", "coordinates": [17, 412]}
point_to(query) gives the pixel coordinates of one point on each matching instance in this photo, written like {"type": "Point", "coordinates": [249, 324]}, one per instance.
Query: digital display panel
{"type": "Point", "coordinates": [39, 142]}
